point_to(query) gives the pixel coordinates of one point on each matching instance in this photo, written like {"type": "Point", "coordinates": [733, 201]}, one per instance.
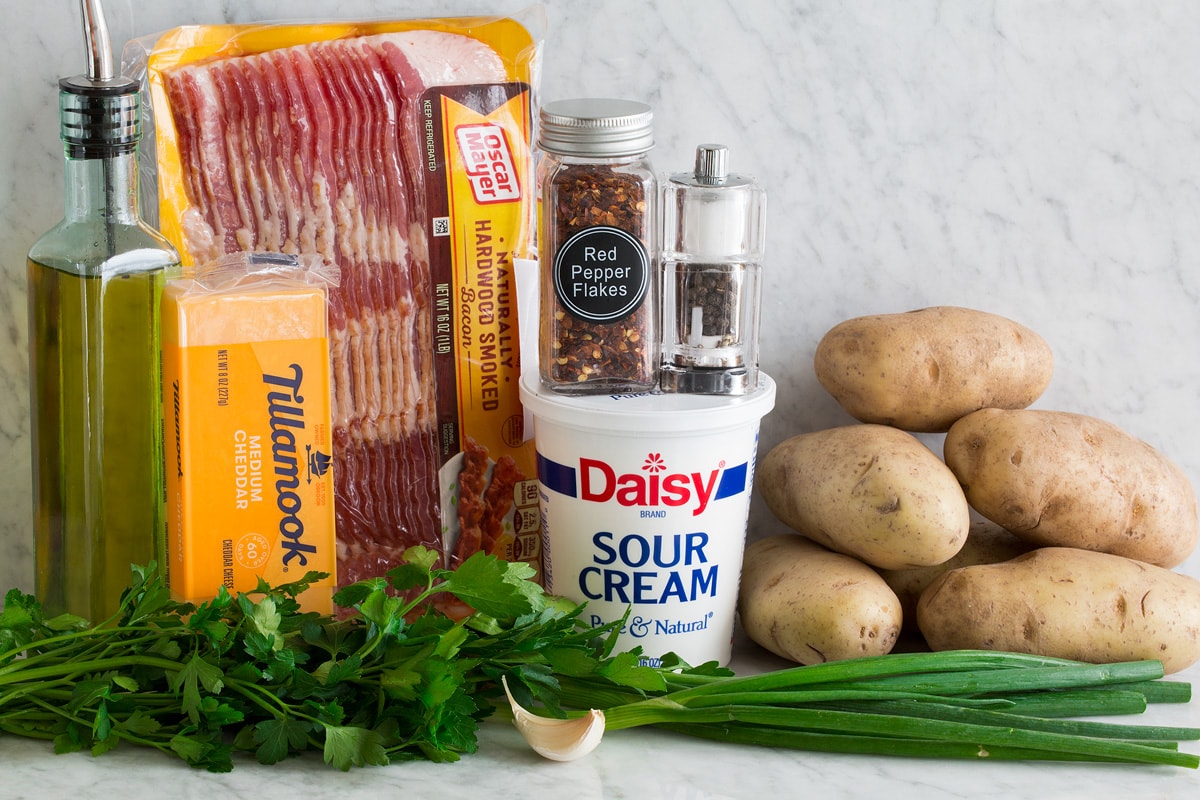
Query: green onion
{"type": "Point", "coordinates": [868, 745]}
{"type": "Point", "coordinates": [958, 704]}
{"type": "Point", "coordinates": [907, 727]}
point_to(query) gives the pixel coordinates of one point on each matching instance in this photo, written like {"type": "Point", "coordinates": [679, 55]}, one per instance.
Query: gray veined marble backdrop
{"type": "Point", "coordinates": [1039, 160]}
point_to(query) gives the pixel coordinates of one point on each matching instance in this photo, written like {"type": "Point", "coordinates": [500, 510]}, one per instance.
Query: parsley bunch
{"type": "Point", "coordinates": [392, 679]}
{"type": "Point", "coordinates": [395, 678]}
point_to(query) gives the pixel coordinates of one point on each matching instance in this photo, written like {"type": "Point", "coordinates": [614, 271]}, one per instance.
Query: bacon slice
{"type": "Point", "coordinates": [483, 501]}
{"type": "Point", "coordinates": [472, 479]}
{"type": "Point", "coordinates": [499, 500]}
{"type": "Point", "coordinates": [317, 149]}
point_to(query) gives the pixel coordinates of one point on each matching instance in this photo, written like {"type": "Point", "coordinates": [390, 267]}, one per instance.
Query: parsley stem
{"type": "Point", "coordinates": [63, 646]}
{"type": "Point", "coordinates": [116, 731]}
{"type": "Point", "coordinates": [72, 668]}
{"type": "Point", "coordinates": [263, 698]}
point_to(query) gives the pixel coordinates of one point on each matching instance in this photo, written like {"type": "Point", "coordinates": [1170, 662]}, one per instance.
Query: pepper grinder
{"type": "Point", "coordinates": [713, 227]}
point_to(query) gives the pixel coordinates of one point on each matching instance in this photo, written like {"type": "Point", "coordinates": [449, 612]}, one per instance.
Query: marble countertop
{"type": "Point", "coordinates": [1036, 160]}
{"type": "Point", "coordinates": [638, 763]}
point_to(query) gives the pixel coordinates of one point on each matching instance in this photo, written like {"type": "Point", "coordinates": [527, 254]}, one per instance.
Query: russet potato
{"type": "Point", "coordinates": [987, 543]}
{"type": "Point", "coordinates": [1067, 603]}
{"type": "Point", "coordinates": [810, 605]}
{"type": "Point", "coordinates": [1056, 478]}
{"type": "Point", "coordinates": [922, 370]}
{"type": "Point", "coordinates": [869, 491]}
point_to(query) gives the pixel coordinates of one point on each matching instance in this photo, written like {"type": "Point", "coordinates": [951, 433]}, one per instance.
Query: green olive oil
{"type": "Point", "coordinates": [95, 283]}
{"type": "Point", "coordinates": [96, 421]}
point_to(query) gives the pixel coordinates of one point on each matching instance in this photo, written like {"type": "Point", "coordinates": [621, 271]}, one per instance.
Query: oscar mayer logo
{"type": "Point", "coordinates": [653, 487]}
{"type": "Point", "coordinates": [488, 162]}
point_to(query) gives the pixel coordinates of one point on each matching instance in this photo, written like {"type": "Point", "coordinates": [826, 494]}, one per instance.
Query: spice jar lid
{"type": "Point", "coordinates": [596, 127]}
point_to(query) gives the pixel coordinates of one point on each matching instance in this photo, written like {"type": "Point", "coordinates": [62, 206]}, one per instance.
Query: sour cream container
{"type": "Point", "coordinates": [644, 500]}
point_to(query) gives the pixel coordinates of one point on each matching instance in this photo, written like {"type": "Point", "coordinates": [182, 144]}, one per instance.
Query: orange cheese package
{"type": "Point", "coordinates": [246, 390]}
{"type": "Point", "coordinates": [399, 151]}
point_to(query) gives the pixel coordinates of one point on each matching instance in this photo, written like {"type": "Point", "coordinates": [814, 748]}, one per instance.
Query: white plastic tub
{"type": "Point", "coordinates": [644, 501]}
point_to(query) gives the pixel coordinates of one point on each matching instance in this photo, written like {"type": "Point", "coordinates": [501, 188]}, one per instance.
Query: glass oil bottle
{"type": "Point", "coordinates": [95, 282]}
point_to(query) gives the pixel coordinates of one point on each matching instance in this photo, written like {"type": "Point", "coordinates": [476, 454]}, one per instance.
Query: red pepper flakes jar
{"type": "Point", "coordinates": [598, 243]}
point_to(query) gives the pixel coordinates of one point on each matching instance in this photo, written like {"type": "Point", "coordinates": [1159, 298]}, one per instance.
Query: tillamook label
{"type": "Point", "coordinates": [249, 479]}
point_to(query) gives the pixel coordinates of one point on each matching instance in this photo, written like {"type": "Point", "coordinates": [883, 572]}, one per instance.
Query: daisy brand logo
{"type": "Point", "coordinates": [654, 485]}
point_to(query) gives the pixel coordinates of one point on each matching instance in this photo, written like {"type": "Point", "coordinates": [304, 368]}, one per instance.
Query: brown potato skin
{"type": "Point", "coordinates": [1055, 478]}
{"type": "Point", "coordinates": [810, 605]}
{"type": "Point", "coordinates": [868, 491]}
{"type": "Point", "coordinates": [922, 370]}
{"type": "Point", "coordinates": [987, 543]}
{"type": "Point", "coordinates": [1067, 603]}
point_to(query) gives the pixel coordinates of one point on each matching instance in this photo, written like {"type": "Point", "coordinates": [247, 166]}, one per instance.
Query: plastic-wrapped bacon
{"type": "Point", "coordinates": [321, 147]}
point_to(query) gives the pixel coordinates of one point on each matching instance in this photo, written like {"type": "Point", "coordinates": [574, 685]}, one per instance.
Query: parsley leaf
{"type": "Point", "coordinates": [624, 670]}
{"type": "Point", "coordinates": [276, 738]}
{"type": "Point", "coordinates": [19, 623]}
{"type": "Point", "coordinates": [497, 588]}
{"type": "Point", "coordinates": [196, 673]}
{"type": "Point", "coordinates": [347, 747]}
{"type": "Point", "coordinates": [391, 677]}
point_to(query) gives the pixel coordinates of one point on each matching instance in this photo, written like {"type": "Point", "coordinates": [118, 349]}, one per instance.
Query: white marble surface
{"type": "Point", "coordinates": [1034, 159]}
{"type": "Point", "coordinates": [637, 764]}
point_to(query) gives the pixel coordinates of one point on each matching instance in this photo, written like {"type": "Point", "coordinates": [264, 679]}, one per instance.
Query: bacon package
{"type": "Point", "coordinates": [400, 152]}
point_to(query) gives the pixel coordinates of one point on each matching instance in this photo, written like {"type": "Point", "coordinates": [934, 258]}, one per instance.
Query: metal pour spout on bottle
{"type": "Point", "coordinates": [713, 225]}
{"type": "Point", "coordinates": [95, 281]}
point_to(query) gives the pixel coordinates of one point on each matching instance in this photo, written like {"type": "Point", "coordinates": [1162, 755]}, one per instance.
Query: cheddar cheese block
{"type": "Point", "coordinates": [246, 393]}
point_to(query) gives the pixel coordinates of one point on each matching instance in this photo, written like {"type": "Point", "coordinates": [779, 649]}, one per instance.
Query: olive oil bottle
{"type": "Point", "coordinates": [95, 282]}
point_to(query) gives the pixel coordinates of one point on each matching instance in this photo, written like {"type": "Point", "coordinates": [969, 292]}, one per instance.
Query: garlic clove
{"type": "Point", "coordinates": [557, 739]}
